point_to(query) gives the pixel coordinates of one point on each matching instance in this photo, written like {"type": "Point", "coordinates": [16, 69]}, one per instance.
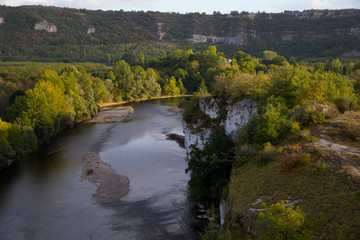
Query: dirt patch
{"type": "Point", "coordinates": [343, 151]}
{"type": "Point", "coordinates": [113, 115]}
{"type": "Point", "coordinates": [112, 184]}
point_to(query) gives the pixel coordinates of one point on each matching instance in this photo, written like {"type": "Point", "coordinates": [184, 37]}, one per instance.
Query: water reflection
{"type": "Point", "coordinates": [45, 197]}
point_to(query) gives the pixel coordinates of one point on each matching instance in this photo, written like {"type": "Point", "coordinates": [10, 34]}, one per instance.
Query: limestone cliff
{"type": "Point", "coordinates": [91, 30]}
{"type": "Point", "coordinates": [45, 25]}
{"type": "Point", "coordinates": [237, 116]}
{"type": "Point", "coordinates": [160, 33]}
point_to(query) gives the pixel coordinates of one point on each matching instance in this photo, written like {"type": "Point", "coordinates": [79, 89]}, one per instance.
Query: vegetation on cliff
{"type": "Point", "coordinates": [302, 147]}
{"type": "Point", "coordinates": [109, 36]}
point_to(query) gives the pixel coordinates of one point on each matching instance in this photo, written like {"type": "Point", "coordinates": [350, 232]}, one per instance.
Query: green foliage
{"type": "Point", "coordinates": [273, 124]}
{"type": "Point", "coordinates": [269, 153]}
{"type": "Point", "coordinates": [269, 55]}
{"type": "Point", "coordinates": [171, 88]}
{"type": "Point", "coordinates": [283, 222]}
{"type": "Point", "coordinates": [211, 232]}
{"type": "Point", "coordinates": [210, 168]}
{"type": "Point", "coordinates": [101, 93]}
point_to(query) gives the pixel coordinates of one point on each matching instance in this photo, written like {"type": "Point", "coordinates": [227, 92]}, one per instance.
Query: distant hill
{"type": "Point", "coordinates": [39, 33]}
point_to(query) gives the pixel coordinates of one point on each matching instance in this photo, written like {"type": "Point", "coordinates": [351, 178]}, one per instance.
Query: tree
{"type": "Point", "coordinates": [171, 88]}
{"type": "Point", "coordinates": [203, 89]}
{"type": "Point", "coordinates": [283, 222]}
{"type": "Point", "coordinates": [180, 85]}
{"type": "Point", "coordinates": [151, 84]}
{"type": "Point", "coordinates": [124, 84]}
{"type": "Point", "coordinates": [269, 55]}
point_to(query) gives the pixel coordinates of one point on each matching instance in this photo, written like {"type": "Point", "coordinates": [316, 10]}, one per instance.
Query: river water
{"type": "Point", "coordinates": [44, 197]}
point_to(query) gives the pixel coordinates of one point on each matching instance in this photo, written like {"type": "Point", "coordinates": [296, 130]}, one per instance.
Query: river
{"type": "Point", "coordinates": [44, 197]}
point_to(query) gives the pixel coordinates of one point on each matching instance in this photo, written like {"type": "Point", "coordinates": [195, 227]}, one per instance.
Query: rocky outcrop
{"type": "Point", "coordinates": [91, 30]}
{"type": "Point", "coordinates": [353, 53]}
{"type": "Point", "coordinates": [45, 25]}
{"type": "Point", "coordinates": [209, 108]}
{"type": "Point", "coordinates": [194, 135]}
{"type": "Point", "coordinates": [237, 116]}
{"type": "Point", "coordinates": [237, 40]}
{"type": "Point", "coordinates": [160, 33]}
{"type": "Point", "coordinates": [2, 20]}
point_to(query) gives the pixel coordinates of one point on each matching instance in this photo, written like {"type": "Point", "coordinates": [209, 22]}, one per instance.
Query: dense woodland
{"type": "Point", "coordinates": [299, 84]}
{"type": "Point", "coordinates": [128, 35]}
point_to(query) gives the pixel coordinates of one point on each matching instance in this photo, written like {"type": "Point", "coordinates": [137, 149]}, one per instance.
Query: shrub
{"type": "Point", "coordinates": [283, 223]}
{"type": "Point", "coordinates": [269, 153]}
{"type": "Point", "coordinates": [211, 232]}
{"type": "Point", "coordinates": [293, 157]}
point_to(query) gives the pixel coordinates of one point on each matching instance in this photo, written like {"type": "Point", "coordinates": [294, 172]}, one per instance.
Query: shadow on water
{"type": "Point", "coordinates": [44, 197]}
{"type": "Point", "coordinates": [146, 223]}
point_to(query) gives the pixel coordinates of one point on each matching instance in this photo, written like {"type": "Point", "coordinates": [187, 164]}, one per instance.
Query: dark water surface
{"type": "Point", "coordinates": [45, 198]}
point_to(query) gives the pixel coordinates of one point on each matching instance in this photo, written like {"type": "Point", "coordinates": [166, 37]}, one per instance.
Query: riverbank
{"type": "Point", "coordinates": [104, 105]}
{"type": "Point", "coordinates": [112, 184]}
{"type": "Point", "coordinates": [112, 115]}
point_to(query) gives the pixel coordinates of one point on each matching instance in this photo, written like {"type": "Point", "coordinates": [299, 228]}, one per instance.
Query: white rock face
{"type": "Point", "coordinates": [45, 25]}
{"type": "Point", "coordinates": [224, 209]}
{"type": "Point", "coordinates": [237, 40]}
{"type": "Point", "coordinates": [238, 116]}
{"type": "Point", "coordinates": [160, 33]}
{"type": "Point", "coordinates": [211, 109]}
{"type": "Point", "coordinates": [197, 138]}
{"type": "Point", "coordinates": [91, 30]}
{"type": "Point", "coordinates": [2, 20]}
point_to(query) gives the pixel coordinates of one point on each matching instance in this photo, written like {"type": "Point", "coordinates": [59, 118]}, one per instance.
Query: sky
{"type": "Point", "coordinates": [184, 6]}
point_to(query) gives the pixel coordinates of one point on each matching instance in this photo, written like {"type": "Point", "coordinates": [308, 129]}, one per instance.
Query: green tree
{"type": "Point", "coordinates": [124, 84]}
{"type": "Point", "coordinates": [283, 222]}
{"type": "Point", "coordinates": [101, 93]}
{"type": "Point", "coordinates": [180, 85]}
{"type": "Point", "coordinates": [151, 83]}
{"type": "Point", "coordinates": [171, 88]}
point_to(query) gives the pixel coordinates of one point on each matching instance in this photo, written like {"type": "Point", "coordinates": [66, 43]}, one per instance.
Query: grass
{"type": "Point", "coordinates": [328, 195]}
{"type": "Point", "coordinates": [89, 171]}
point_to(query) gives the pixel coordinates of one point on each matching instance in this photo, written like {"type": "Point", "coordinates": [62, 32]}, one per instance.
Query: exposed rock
{"type": "Point", "coordinates": [112, 184]}
{"type": "Point", "coordinates": [113, 114]}
{"type": "Point", "coordinates": [180, 139]}
{"type": "Point", "coordinates": [160, 33]}
{"type": "Point", "coordinates": [2, 20]}
{"type": "Point", "coordinates": [45, 25]}
{"type": "Point", "coordinates": [238, 40]}
{"type": "Point", "coordinates": [353, 53]}
{"type": "Point", "coordinates": [224, 211]}
{"type": "Point", "coordinates": [197, 138]}
{"type": "Point", "coordinates": [354, 31]}
{"type": "Point", "coordinates": [91, 30]}
{"type": "Point", "coordinates": [211, 109]}
{"type": "Point", "coordinates": [238, 115]}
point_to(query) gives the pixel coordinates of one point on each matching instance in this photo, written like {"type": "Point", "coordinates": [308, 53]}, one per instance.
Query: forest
{"type": "Point", "coordinates": [125, 35]}
{"type": "Point", "coordinates": [295, 99]}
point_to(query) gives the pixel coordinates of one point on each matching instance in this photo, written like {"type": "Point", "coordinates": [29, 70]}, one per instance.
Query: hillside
{"type": "Point", "coordinates": [39, 33]}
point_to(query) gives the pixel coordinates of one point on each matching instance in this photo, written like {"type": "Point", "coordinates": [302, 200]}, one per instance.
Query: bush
{"type": "Point", "coordinates": [211, 232]}
{"type": "Point", "coordinates": [269, 153]}
{"type": "Point", "coordinates": [293, 157]}
{"type": "Point", "coordinates": [283, 223]}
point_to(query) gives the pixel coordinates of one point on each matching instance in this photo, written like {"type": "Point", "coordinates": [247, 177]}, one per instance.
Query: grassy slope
{"type": "Point", "coordinates": [325, 190]}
